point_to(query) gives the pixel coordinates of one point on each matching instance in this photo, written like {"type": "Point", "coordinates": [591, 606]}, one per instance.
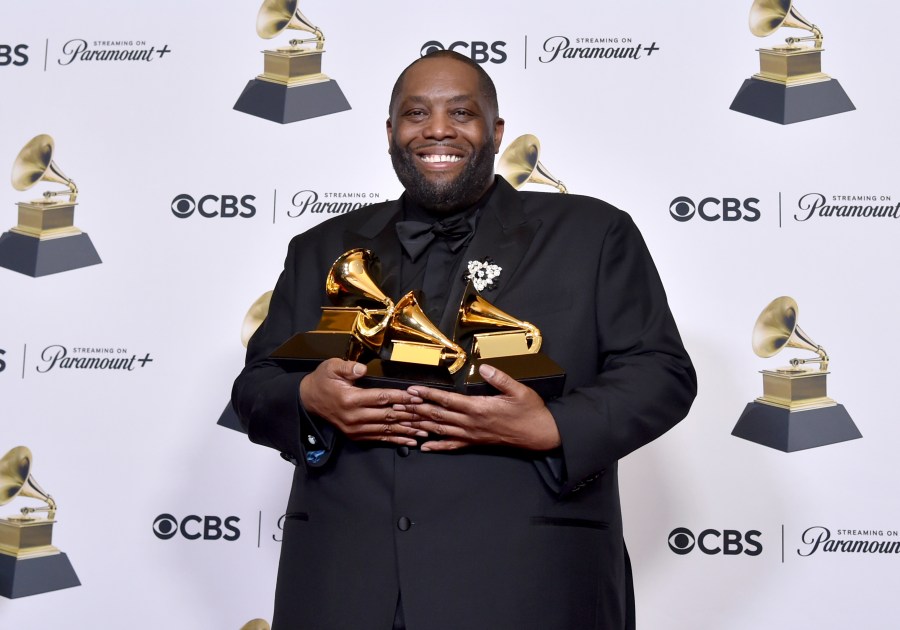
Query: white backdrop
{"type": "Point", "coordinates": [119, 449]}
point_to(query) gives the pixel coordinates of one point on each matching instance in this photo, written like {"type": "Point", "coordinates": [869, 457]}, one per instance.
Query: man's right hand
{"type": "Point", "coordinates": [361, 414]}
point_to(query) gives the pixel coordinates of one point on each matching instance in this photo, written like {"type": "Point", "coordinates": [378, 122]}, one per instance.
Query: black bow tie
{"type": "Point", "coordinates": [415, 236]}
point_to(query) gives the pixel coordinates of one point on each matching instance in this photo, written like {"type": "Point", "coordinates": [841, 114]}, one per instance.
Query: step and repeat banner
{"type": "Point", "coordinates": [163, 154]}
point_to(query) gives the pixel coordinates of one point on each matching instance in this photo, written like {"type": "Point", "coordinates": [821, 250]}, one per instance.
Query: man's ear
{"type": "Point", "coordinates": [499, 125]}
{"type": "Point", "coordinates": [389, 129]}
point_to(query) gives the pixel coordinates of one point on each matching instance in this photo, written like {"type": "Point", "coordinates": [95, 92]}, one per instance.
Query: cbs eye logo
{"type": "Point", "coordinates": [224, 206]}
{"type": "Point", "coordinates": [476, 51]}
{"type": "Point", "coordinates": [729, 542]}
{"type": "Point", "coordinates": [194, 527]}
{"type": "Point", "coordinates": [712, 209]}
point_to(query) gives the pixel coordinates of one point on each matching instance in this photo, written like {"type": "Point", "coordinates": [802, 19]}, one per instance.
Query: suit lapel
{"type": "Point", "coordinates": [504, 234]}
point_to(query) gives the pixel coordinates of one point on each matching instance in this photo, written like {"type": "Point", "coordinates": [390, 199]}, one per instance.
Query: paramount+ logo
{"type": "Point", "coordinates": [195, 527]}
{"type": "Point", "coordinates": [477, 51]}
{"type": "Point", "coordinates": [13, 54]}
{"type": "Point", "coordinates": [214, 206]}
{"type": "Point", "coordinates": [726, 209]}
{"type": "Point", "coordinates": [712, 542]}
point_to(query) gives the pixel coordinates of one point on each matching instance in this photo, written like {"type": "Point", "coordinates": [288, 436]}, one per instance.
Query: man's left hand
{"type": "Point", "coordinates": [516, 417]}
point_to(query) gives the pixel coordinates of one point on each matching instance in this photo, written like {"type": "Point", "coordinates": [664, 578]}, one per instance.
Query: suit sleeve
{"type": "Point", "coordinates": [265, 396]}
{"type": "Point", "coordinates": [645, 382]}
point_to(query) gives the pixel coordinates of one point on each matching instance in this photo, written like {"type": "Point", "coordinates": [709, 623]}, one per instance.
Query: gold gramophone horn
{"type": "Point", "coordinates": [409, 328]}
{"type": "Point", "coordinates": [767, 16]}
{"type": "Point", "coordinates": [16, 480]}
{"type": "Point", "coordinates": [255, 316]}
{"type": "Point", "coordinates": [276, 16]}
{"type": "Point", "coordinates": [519, 164]}
{"type": "Point", "coordinates": [776, 328]}
{"type": "Point", "coordinates": [496, 333]}
{"type": "Point", "coordinates": [35, 163]}
{"type": "Point", "coordinates": [256, 624]}
{"type": "Point", "coordinates": [349, 283]}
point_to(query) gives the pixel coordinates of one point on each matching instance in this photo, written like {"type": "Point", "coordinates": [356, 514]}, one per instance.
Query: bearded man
{"type": "Point", "coordinates": [431, 510]}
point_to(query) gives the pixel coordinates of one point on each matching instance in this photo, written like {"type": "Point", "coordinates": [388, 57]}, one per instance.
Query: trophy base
{"type": "Point", "coordinates": [20, 577]}
{"type": "Point", "coordinates": [789, 431]}
{"type": "Point", "coordinates": [283, 104]}
{"type": "Point", "coordinates": [35, 257]}
{"type": "Point", "coordinates": [537, 371]}
{"type": "Point", "coordinates": [400, 375]}
{"type": "Point", "coordinates": [229, 420]}
{"type": "Point", "coordinates": [305, 351]}
{"type": "Point", "coordinates": [785, 104]}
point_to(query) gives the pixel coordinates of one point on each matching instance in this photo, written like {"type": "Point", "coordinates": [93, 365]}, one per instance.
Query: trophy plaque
{"type": "Point", "coordinates": [519, 164]}
{"type": "Point", "coordinates": [506, 343]}
{"type": "Point", "coordinates": [292, 86]}
{"type": "Point", "coordinates": [29, 563]}
{"type": "Point", "coordinates": [790, 85]}
{"type": "Point", "coordinates": [45, 240]}
{"type": "Point", "coordinates": [252, 320]}
{"type": "Point", "coordinates": [794, 412]}
{"type": "Point", "coordinates": [350, 329]}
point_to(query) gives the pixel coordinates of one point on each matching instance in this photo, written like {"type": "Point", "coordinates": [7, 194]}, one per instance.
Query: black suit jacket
{"type": "Point", "coordinates": [486, 537]}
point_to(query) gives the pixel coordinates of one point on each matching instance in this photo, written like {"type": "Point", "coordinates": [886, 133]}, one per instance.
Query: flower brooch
{"type": "Point", "coordinates": [483, 273]}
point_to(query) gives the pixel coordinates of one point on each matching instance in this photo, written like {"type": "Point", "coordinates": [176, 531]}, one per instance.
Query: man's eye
{"type": "Point", "coordinates": [462, 113]}
{"type": "Point", "coordinates": [415, 113]}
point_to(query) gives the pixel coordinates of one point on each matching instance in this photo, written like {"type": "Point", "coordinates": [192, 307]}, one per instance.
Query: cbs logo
{"type": "Point", "coordinates": [712, 209]}
{"type": "Point", "coordinates": [14, 55]}
{"type": "Point", "coordinates": [479, 52]}
{"type": "Point", "coordinates": [2, 362]}
{"type": "Point", "coordinates": [193, 527]}
{"type": "Point", "coordinates": [225, 206]}
{"type": "Point", "coordinates": [729, 542]}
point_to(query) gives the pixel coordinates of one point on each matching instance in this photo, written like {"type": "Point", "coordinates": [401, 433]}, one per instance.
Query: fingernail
{"type": "Point", "coordinates": [359, 369]}
{"type": "Point", "coordinates": [487, 371]}
{"type": "Point", "coordinates": [398, 407]}
{"type": "Point", "coordinates": [422, 433]}
{"type": "Point", "coordinates": [424, 448]}
{"type": "Point", "coordinates": [412, 392]}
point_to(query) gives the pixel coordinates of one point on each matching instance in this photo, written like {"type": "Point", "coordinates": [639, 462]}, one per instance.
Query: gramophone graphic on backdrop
{"type": "Point", "coordinates": [520, 164]}
{"type": "Point", "coordinates": [252, 320]}
{"type": "Point", "coordinates": [29, 563]}
{"type": "Point", "coordinates": [292, 86]}
{"type": "Point", "coordinates": [794, 412]}
{"type": "Point", "coordinates": [790, 85]}
{"type": "Point", "coordinates": [45, 240]}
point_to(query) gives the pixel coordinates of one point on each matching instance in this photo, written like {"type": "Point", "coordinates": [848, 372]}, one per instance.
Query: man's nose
{"type": "Point", "coordinates": [439, 127]}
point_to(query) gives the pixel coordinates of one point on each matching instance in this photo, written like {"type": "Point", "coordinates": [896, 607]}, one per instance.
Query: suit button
{"type": "Point", "coordinates": [404, 524]}
{"type": "Point", "coordinates": [403, 451]}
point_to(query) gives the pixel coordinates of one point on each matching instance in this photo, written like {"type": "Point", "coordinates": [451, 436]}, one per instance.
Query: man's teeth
{"type": "Point", "coordinates": [441, 158]}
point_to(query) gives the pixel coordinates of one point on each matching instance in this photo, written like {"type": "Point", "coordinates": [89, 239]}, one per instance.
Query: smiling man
{"type": "Point", "coordinates": [430, 510]}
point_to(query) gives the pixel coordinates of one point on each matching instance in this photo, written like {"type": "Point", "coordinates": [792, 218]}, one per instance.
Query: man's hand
{"type": "Point", "coordinates": [515, 417]}
{"type": "Point", "coordinates": [360, 414]}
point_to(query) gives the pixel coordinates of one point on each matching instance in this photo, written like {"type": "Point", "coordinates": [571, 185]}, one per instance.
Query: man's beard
{"type": "Point", "coordinates": [445, 196]}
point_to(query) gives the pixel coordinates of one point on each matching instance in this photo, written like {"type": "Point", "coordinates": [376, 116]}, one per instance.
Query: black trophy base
{"type": "Point", "coordinates": [229, 419]}
{"type": "Point", "coordinates": [34, 257]}
{"type": "Point", "coordinates": [400, 375]}
{"type": "Point", "coordinates": [784, 104]}
{"type": "Point", "coordinates": [282, 104]}
{"type": "Point", "coordinates": [305, 351]}
{"type": "Point", "coordinates": [20, 577]}
{"type": "Point", "coordinates": [537, 371]}
{"type": "Point", "coordinates": [791, 431]}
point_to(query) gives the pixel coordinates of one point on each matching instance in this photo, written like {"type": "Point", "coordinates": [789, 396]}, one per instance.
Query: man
{"type": "Point", "coordinates": [431, 510]}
